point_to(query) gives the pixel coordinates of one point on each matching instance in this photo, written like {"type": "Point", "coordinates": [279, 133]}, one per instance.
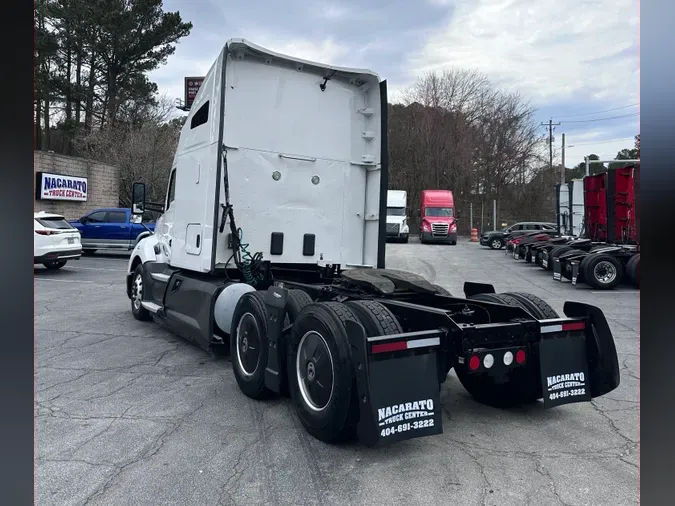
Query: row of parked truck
{"type": "Point", "coordinates": [597, 241]}
{"type": "Point", "coordinates": [437, 217]}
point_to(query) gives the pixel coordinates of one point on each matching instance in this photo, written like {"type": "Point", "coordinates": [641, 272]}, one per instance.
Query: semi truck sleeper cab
{"type": "Point", "coordinates": [271, 248]}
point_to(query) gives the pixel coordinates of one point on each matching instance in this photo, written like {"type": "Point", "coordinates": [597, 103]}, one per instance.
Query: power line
{"type": "Point", "coordinates": [603, 119]}
{"type": "Point", "coordinates": [599, 112]}
{"type": "Point", "coordinates": [603, 142]}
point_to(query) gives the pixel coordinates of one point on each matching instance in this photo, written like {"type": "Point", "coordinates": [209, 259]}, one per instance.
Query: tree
{"type": "Point", "coordinates": [142, 149]}
{"type": "Point", "coordinates": [579, 171]}
{"type": "Point", "coordinates": [93, 58]}
{"type": "Point", "coordinates": [455, 131]}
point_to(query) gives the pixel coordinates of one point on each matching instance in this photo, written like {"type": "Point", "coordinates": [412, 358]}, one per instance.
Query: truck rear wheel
{"type": "Point", "coordinates": [320, 379]}
{"type": "Point", "coordinates": [377, 319]}
{"type": "Point", "coordinates": [524, 384]}
{"type": "Point", "coordinates": [555, 253]}
{"type": "Point", "coordinates": [249, 346]}
{"type": "Point", "coordinates": [536, 306]}
{"type": "Point", "coordinates": [603, 271]}
{"type": "Point", "coordinates": [633, 269]}
{"type": "Point", "coordinates": [296, 302]}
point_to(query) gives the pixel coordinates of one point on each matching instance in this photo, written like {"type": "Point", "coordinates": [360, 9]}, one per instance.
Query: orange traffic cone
{"type": "Point", "coordinates": [474, 235]}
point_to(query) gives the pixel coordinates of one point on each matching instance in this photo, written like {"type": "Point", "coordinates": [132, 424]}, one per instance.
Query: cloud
{"type": "Point", "coordinates": [331, 11]}
{"type": "Point", "coordinates": [548, 50]}
{"type": "Point", "coordinates": [325, 50]}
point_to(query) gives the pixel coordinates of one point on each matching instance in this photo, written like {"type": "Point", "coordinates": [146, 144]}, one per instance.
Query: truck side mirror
{"type": "Point", "coordinates": [138, 199]}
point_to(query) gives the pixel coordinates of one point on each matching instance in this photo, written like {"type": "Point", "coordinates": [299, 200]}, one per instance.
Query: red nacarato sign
{"type": "Point", "coordinates": [192, 85]}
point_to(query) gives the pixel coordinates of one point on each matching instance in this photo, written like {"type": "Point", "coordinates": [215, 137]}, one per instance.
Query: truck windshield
{"type": "Point", "coordinates": [443, 212]}
{"type": "Point", "coordinates": [395, 211]}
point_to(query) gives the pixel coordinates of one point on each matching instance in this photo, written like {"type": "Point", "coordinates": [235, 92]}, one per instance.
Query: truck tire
{"type": "Point", "coordinates": [581, 275]}
{"type": "Point", "coordinates": [487, 297]}
{"type": "Point", "coordinates": [377, 319]}
{"type": "Point", "coordinates": [538, 307]}
{"type": "Point", "coordinates": [320, 378]}
{"type": "Point", "coordinates": [296, 302]}
{"type": "Point", "coordinates": [633, 269]}
{"type": "Point", "coordinates": [524, 385]}
{"type": "Point", "coordinates": [496, 243]}
{"type": "Point", "coordinates": [249, 347]}
{"type": "Point", "coordinates": [603, 271]}
{"type": "Point", "coordinates": [556, 252]}
{"type": "Point", "coordinates": [139, 312]}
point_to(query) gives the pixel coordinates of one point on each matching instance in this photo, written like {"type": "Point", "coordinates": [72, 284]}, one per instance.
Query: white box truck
{"type": "Point", "coordinates": [397, 218]}
{"type": "Point", "coordinates": [271, 247]}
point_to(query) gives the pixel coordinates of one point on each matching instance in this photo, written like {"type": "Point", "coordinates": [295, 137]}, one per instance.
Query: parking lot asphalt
{"type": "Point", "coordinates": [127, 413]}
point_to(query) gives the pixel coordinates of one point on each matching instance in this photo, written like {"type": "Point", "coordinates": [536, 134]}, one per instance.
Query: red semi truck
{"type": "Point", "coordinates": [438, 222]}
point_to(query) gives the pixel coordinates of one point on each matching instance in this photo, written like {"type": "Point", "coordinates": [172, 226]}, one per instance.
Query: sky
{"type": "Point", "coordinates": [576, 62]}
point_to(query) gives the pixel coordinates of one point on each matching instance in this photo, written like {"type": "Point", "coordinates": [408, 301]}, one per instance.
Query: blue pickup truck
{"type": "Point", "coordinates": [111, 228]}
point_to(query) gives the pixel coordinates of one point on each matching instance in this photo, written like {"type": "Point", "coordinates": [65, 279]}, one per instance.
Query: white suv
{"type": "Point", "coordinates": [56, 240]}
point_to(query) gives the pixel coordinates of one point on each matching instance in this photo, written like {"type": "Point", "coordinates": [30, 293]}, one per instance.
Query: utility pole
{"type": "Point", "coordinates": [550, 126]}
{"type": "Point", "coordinates": [562, 170]}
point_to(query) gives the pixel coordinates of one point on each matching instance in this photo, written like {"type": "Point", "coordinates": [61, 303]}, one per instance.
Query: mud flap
{"type": "Point", "coordinates": [564, 369]}
{"type": "Point", "coordinates": [393, 408]}
{"type": "Point", "coordinates": [575, 271]}
{"type": "Point", "coordinates": [275, 371]}
{"type": "Point", "coordinates": [557, 270]}
{"type": "Point", "coordinates": [603, 361]}
{"type": "Point", "coordinates": [544, 259]}
{"type": "Point", "coordinates": [471, 288]}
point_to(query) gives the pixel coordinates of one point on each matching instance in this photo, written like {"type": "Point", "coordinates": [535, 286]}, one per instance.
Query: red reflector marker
{"type": "Point", "coordinates": [474, 363]}
{"type": "Point", "coordinates": [388, 347]}
{"type": "Point", "coordinates": [574, 326]}
{"type": "Point", "coordinates": [520, 356]}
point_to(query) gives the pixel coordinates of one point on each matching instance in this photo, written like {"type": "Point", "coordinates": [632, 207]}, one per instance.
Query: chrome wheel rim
{"type": "Point", "coordinates": [496, 244]}
{"type": "Point", "coordinates": [605, 272]}
{"type": "Point", "coordinates": [248, 341]}
{"type": "Point", "coordinates": [137, 291]}
{"type": "Point", "coordinates": [314, 371]}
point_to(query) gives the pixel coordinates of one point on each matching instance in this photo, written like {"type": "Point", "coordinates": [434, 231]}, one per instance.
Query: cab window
{"type": "Point", "coordinates": [171, 194]}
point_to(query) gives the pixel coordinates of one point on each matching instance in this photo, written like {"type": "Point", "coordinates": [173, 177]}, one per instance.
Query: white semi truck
{"type": "Point", "coordinates": [397, 217]}
{"type": "Point", "coordinates": [271, 247]}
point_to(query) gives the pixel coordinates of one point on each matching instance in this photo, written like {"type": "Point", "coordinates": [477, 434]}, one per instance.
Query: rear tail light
{"type": "Point", "coordinates": [488, 361]}
{"type": "Point", "coordinates": [520, 356]}
{"type": "Point", "coordinates": [474, 363]}
{"type": "Point", "coordinates": [508, 358]}
{"type": "Point", "coordinates": [45, 232]}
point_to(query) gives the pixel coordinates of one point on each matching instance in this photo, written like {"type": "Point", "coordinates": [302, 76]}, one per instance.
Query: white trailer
{"type": "Point", "coordinates": [272, 248]}
{"type": "Point", "coordinates": [397, 215]}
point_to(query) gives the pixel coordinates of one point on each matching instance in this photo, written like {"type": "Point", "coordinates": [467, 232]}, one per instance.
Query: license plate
{"type": "Point", "coordinates": [544, 262]}
{"type": "Point", "coordinates": [71, 240]}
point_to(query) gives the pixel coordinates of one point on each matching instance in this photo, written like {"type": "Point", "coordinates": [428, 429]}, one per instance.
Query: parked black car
{"type": "Point", "coordinates": [496, 239]}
